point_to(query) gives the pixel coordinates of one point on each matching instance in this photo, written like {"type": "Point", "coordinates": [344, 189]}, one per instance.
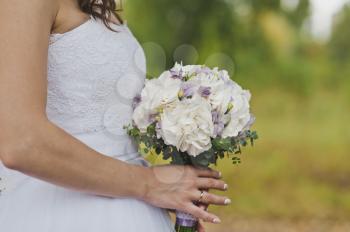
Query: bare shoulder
{"type": "Point", "coordinates": [19, 6]}
{"type": "Point", "coordinates": [22, 14]}
{"type": "Point", "coordinates": [25, 26]}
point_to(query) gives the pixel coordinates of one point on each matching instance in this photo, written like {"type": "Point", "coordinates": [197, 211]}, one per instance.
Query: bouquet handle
{"type": "Point", "coordinates": [185, 222]}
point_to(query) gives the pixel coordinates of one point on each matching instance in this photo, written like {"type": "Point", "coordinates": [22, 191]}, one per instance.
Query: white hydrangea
{"type": "Point", "coordinates": [189, 126]}
{"type": "Point", "coordinates": [240, 113]}
{"type": "Point", "coordinates": [157, 94]}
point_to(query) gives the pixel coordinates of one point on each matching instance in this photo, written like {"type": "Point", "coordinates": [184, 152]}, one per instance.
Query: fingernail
{"type": "Point", "coordinates": [220, 174]}
{"type": "Point", "coordinates": [225, 187]}
{"type": "Point", "coordinates": [227, 201]}
{"type": "Point", "coordinates": [216, 220]}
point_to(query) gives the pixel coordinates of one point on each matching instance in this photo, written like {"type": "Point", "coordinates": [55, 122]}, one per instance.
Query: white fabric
{"type": "Point", "coordinates": [93, 75]}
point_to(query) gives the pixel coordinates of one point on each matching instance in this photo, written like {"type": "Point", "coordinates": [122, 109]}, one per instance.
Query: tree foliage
{"type": "Point", "coordinates": [267, 44]}
{"type": "Point", "coordinates": [340, 41]}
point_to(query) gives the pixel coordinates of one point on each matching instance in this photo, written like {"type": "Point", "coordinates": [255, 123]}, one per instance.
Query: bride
{"type": "Point", "coordinates": [69, 70]}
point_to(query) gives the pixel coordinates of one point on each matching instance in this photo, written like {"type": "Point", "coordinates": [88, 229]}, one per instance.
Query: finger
{"type": "Point", "coordinates": [200, 223]}
{"type": "Point", "coordinates": [203, 206]}
{"type": "Point", "coordinates": [207, 172]}
{"type": "Point", "coordinates": [202, 214]}
{"type": "Point", "coordinates": [210, 183]}
{"type": "Point", "coordinates": [212, 199]}
{"type": "Point", "coordinates": [200, 227]}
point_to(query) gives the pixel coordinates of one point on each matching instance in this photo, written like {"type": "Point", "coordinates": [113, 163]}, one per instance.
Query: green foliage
{"type": "Point", "coordinates": [220, 146]}
{"type": "Point", "coordinates": [300, 14]}
{"type": "Point", "coordinates": [258, 5]}
{"type": "Point", "coordinates": [340, 42]}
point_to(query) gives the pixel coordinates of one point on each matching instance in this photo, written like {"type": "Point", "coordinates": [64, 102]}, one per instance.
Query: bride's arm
{"type": "Point", "coordinates": [31, 144]}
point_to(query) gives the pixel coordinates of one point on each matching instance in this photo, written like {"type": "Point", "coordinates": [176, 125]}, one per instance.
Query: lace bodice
{"type": "Point", "coordinates": [93, 76]}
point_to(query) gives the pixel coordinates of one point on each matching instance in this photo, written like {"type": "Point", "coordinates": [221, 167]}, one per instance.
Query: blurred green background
{"type": "Point", "coordinates": [297, 177]}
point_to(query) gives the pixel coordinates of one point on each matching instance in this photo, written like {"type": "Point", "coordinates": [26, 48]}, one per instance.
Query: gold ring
{"type": "Point", "coordinates": [201, 196]}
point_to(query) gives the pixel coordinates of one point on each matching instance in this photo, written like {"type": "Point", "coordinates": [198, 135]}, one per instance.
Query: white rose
{"type": "Point", "coordinates": [240, 114]}
{"type": "Point", "coordinates": [188, 126]}
{"type": "Point", "coordinates": [157, 94]}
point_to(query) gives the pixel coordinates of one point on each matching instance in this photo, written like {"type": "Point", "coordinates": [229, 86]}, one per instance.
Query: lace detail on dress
{"type": "Point", "coordinates": [93, 74]}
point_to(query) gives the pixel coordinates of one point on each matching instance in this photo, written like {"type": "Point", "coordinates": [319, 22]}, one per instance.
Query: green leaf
{"type": "Point", "coordinates": [251, 141]}
{"type": "Point", "coordinates": [222, 144]}
{"type": "Point", "coordinates": [205, 159]}
{"type": "Point", "coordinates": [167, 152]}
{"type": "Point", "coordinates": [158, 150]}
{"type": "Point", "coordinates": [177, 158]}
{"type": "Point", "coordinates": [243, 143]}
{"type": "Point", "coordinates": [221, 154]}
{"type": "Point", "coordinates": [254, 135]}
{"type": "Point", "coordinates": [239, 151]}
{"type": "Point", "coordinates": [236, 160]}
{"type": "Point", "coordinates": [151, 129]}
{"type": "Point", "coordinates": [201, 162]}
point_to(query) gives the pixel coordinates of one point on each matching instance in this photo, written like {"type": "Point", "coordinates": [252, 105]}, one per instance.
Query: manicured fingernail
{"type": "Point", "coordinates": [220, 174]}
{"type": "Point", "coordinates": [216, 220]}
{"type": "Point", "coordinates": [227, 201]}
{"type": "Point", "coordinates": [225, 187]}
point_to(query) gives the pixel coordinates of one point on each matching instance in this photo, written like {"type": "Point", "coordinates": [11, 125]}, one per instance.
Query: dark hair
{"type": "Point", "coordinates": [101, 9]}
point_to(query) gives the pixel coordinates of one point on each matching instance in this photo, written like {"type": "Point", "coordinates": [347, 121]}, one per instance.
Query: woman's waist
{"type": "Point", "coordinates": [113, 145]}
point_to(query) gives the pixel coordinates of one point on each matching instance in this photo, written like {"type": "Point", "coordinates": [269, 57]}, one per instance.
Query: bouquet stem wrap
{"type": "Point", "coordinates": [185, 222]}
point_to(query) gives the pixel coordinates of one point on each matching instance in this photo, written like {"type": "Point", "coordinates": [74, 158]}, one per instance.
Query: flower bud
{"type": "Point", "coordinates": [229, 107]}
{"type": "Point", "coordinates": [181, 94]}
{"type": "Point", "coordinates": [157, 118]}
{"type": "Point", "coordinates": [160, 110]}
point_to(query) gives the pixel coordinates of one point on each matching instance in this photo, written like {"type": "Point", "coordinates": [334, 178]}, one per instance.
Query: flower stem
{"type": "Point", "coordinates": [179, 228]}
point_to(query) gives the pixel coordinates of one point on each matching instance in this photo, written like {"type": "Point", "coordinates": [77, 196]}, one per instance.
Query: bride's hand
{"type": "Point", "coordinates": [200, 227]}
{"type": "Point", "coordinates": [177, 187]}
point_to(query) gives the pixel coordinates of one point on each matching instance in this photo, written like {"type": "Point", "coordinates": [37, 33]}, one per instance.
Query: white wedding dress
{"type": "Point", "coordinates": [93, 75]}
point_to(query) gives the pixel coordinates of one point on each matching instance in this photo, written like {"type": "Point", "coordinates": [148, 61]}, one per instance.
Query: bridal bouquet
{"type": "Point", "coordinates": [193, 115]}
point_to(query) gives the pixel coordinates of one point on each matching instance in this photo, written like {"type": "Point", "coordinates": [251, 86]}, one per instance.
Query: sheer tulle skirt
{"type": "Point", "coordinates": [31, 205]}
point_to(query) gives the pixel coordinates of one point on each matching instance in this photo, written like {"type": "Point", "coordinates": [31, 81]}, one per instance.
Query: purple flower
{"type": "Point", "coordinates": [188, 89]}
{"type": "Point", "coordinates": [136, 101]}
{"type": "Point", "coordinates": [205, 70]}
{"type": "Point", "coordinates": [218, 123]}
{"type": "Point", "coordinates": [158, 126]}
{"type": "Point", "coordinates": [204, 91]}
{"type": "Point", "coordinates": [177, 74]}
{"type": "Point", "coordinates": [215, 116]}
